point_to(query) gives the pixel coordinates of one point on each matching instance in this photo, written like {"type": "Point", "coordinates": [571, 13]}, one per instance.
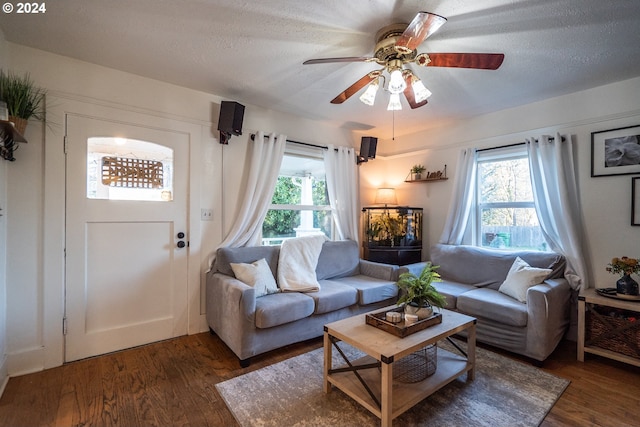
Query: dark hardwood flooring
{"type": "Point", "coordinates": [171, 383]}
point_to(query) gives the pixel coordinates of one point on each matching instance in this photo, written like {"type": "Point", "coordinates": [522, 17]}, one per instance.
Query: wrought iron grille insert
{"type": "Point", "coordinates": [131, 173]}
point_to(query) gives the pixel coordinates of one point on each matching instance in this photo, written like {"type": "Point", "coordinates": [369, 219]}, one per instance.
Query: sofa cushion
{"type": "Point", "coordinates": [485, 267]}
{"type": "Point", "coordinates": [277, 309]}
{"type": "Point", "coordinates": [520, 278]}
{"type": "Point", "coordinates": [332, 296]}
{"type": "Point", "coordinates": [451, 291]}
{"type": "Point", "coordinates": [370, 289]}
{"type": "Point", "coordinates": [246, 254]}
{"type": "Point", "coordinates": [257, 275]}
{"type": "Point", "coordinates": [491, 304]}
{"type": "Point", "coordinates": [338, 259]}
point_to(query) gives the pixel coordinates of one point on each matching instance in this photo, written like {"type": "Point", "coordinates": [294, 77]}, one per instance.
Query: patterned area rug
{"type": "Point", "coordinates": [504, 393]}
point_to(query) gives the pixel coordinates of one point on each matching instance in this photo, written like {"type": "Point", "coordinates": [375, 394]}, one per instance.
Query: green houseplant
{"type": "Point", "coordinates": [417, 170]}
{"type": "Point", "coordinates": [418, 293]}
{"type": "Point", "coordinates": [24, 99]}
{"type": "Point", "coordinates": [385, 229]}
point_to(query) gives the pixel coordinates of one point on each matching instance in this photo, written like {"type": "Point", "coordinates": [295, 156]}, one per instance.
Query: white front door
{"type": "Point", "coordinates": [126, 235]}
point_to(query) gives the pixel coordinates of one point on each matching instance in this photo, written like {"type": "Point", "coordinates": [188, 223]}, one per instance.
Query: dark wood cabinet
{"type": "Point", "coordinates": [397, 256]}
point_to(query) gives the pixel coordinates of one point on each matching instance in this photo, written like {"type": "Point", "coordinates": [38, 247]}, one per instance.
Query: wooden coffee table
{"type": "Point", "coordinates": [369, 380]}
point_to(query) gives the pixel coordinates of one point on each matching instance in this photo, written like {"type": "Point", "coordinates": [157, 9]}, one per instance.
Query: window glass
{"type": "Point", "coordinates": [129, 169]}
{"type": "Point", "coordinates": [505, 212]}
{"type": "Point", "coordinates": [300, 205]}
{"type": "Point", "coordinates": [505, 181]}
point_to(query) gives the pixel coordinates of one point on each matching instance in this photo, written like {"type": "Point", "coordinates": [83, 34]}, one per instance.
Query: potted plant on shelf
{"type": "Point", "coordinates": [417, 170]}
{"type": "Point", "coordinates": [419, 296]}
{"type": "Point", "coordinates": [24, 99]}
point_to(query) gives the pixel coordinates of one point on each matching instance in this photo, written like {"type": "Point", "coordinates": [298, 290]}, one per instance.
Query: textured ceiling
{"type": "Point", "coordinates": [252, 51]}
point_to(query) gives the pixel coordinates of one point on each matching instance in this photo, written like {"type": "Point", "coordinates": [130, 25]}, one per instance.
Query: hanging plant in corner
{"type": "Point", "coordinates": [418, 293]}
{"type": "Point", "coordinates": [24, 99]}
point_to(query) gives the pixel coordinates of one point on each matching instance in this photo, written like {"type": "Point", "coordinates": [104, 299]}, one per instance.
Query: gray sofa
{"type": "Point", "coordinates": [471, 277]}
{"type": "Point", "coordinates": [251, 326]}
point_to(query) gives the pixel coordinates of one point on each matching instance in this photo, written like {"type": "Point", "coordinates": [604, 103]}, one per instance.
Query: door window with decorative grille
{"type": "Point", "coordinates": [129, 169]}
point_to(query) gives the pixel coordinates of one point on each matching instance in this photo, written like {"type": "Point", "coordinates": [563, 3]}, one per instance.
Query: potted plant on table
{"type": "Point", "coordinates": [24, 99]}
{"type": "Point", "coordinates": [417, 170]}
{"type": "Point", "coordinates": [418, 293]}
{"type": "Point", "coordinates": [625, 266]}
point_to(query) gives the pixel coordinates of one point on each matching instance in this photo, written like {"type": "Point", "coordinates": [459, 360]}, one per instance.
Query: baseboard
{"type": "Point", "coordinates": [4, 374]}
{"type": "Point", "coordinates": [25, 362]}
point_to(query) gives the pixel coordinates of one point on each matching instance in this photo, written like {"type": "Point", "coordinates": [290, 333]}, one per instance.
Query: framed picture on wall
{"type": "Point", "coordinates": [635, 201]}
{"type": "Point", "coordinates": [615, 151]}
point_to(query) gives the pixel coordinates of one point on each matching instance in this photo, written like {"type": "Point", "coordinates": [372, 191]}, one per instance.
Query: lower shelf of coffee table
{"type": "Point", "coordinates": [405, 395]}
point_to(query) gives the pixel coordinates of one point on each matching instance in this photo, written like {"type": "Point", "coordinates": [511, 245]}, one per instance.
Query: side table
{"type": "Point", "coordinates": [586, 300]}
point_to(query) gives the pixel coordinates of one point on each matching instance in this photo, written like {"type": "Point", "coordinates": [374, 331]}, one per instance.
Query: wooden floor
{"type": "Point", "coordinates": [171, 383]}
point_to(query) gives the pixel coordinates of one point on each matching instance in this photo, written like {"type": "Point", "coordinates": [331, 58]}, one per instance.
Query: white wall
{"type": "Point", "coordinates": [606, 201]}
{"type": "Point", "coordinates": [4, 63]}
{"type": "Point", "coordinates": [35, 285]}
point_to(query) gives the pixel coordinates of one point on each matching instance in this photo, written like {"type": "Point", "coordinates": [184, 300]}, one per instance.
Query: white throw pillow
{"type": "Point", "coordinates": [257, 275]}
{"type": "Point", "coordinates": [520, 278]}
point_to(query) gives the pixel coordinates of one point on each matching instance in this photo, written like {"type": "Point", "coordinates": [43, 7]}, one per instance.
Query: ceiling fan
{"type": "Point", "coordinates": [396, 46]}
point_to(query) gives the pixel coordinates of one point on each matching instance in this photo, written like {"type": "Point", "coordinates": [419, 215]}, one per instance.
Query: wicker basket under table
{"type": "Point", "coordinates": [417, 366]}
{"type": "Point", "coordinates": [619, 334]}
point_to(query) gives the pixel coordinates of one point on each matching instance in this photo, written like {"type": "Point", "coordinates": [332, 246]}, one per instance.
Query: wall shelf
{"type": "Point", "coordinates": [429, 176]}
{"type": "Point", "coordinates": [9, 138]}
{"type": "Point", "coordinates": [426, 179]}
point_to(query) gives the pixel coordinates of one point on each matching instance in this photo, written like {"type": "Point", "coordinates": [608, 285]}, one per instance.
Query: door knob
{"type": "Point", "coordinates": [181, 244]}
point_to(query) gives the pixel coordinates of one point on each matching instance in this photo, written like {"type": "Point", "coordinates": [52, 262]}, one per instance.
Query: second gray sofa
{"type": "Point", "coordinates": [471, 278]}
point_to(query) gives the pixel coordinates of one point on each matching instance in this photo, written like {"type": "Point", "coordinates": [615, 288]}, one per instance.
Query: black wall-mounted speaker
{"type": "Point", "coordinates": [230, 120]}
{"type": "Point", "coordinates": [368, 145]}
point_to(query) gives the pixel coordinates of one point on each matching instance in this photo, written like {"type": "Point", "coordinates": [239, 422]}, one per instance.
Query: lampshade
{"type": "Point", "coordinates": [419, 91]}
{"type": "Point", "coordinates": [369, 96]}
{"type": "Point", "coordinates": [396, 82]}
{"type": "Point", "coordinates": [386, 196]}
{"type": "Point", "coordinates": [394, 102]}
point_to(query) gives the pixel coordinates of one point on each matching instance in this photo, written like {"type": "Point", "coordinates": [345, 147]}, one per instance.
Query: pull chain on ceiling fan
{"type": "Point", "coordinates": [396, 46]}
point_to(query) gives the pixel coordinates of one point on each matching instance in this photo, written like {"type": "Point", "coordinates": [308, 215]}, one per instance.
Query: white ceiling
{"type": "Point", "coordinates": [252, 51]}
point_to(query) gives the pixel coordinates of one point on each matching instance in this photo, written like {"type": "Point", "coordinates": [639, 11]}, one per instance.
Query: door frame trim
{"type": "Point", "coordinates": [53, 292]}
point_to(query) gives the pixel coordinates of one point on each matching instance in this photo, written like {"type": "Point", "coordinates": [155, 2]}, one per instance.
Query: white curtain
{"type": "Point", "coordinates": [461, 199]}
{"type": "Point", "coordinates": [264, 168]}
{"type": "Point", "coordinates": [555, 193]}
{"type": "Point", "coordinates": [342, 186]}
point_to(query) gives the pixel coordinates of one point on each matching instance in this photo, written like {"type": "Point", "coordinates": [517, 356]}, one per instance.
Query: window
{"type": "Point", "coordinates": [300, 204]}
{"type": "Point", "coordinates": [505, 213]}
{"type": "Point", "coordinates": [128, 169]}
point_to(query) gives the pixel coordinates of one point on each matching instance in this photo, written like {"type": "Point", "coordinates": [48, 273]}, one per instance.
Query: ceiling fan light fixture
{"type": "Point", "coordinates": [394, 102]}
{"type": "Point", "coordinates": [396, 82]}
{"type": "Point", "coordinates": [369, 95]}
{"type": "Point", "coordinates": [420, 92]}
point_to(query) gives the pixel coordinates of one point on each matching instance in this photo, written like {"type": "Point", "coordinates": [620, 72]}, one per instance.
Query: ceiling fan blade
{"type": "Point", "coordinates": [484, 61]}
{"type": "Point", "coordinates": [423, 25]}
{"type": "Point", "coordinates": [408, 93]}
{"type": "Point", "coordinates": [343, 59]}
{"type": "Point", "coordinates": [354, 88]}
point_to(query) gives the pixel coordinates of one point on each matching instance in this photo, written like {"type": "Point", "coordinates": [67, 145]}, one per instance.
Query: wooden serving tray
{"type": "Point", "coordinates": [611, 293]}
{"type": "Point", "coordinates": [400, 329]}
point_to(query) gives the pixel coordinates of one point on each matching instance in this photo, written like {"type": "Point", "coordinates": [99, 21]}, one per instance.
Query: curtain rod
{"type": "Point", "coordinates": [512, 145]}
{"type": "Point", "coordinates": [324, 147]}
